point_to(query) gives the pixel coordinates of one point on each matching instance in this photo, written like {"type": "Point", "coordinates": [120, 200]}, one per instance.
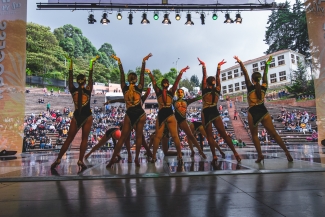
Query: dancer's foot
{"type": "Point", "coordinates": [87, 155]}
{"type": "Point", "coordinates": [223, 155]}
{"type": "Point", "coordinates": [259, 159]}
{"type": "Point", "coordinates": [81, 165]}
{"type": "Point", "coordinates": [289, 158]}
{"type": "Point", "coordinates": [237, 157]}
{"type": "Point", "coordinates": [118, 158]}
{"type": "Point", "coordinates": [153, 160]}
{"type": "Point", "coordinates": [215, 158]}
{"type": "Point", "coordinates": [180, 160]}
{"type": "Point", "coordinates": [56, 163]}
{"type": "Point", "coordinates": [111, 162]}
{"type": "Point", "coordinates": [192, 154]}
{"type": "Point", "coordinates": [136, 161]}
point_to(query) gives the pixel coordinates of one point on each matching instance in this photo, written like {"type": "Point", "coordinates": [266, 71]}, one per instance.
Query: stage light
{"type": "Point", "coordinates": [144, 20]}
{"type": "Point", "coordinates": [189, 21]}
{"type": "Point", "coordinates": [214, 16]}
{"type": "Point", "coordinates": [202, 17]}
{"type": "Point", "coordinates": [166, 20]}
{"type": "Point", "coordinates": [228, 19]}
{"type": "Point", "coordinates": [156, 16]}
{"type": "Point", "coordinates": [119, 16]}
{"type": "Point", "coordinates": [238, 19]}
{"type": "Point", "coordinates": [130, 18]}
{"type": "Point", "coordinates": [91, 19]}
{"type": "Point", "coordinates": [104, 19]}
{"type": "Point", "coordinates": [177, 17]}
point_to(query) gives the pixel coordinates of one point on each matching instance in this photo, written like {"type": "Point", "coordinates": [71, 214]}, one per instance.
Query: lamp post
{"type": "Point", "coordinates": [177, 70]}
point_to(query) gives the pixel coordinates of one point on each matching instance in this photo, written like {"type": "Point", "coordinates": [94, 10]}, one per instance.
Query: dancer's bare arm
{"type": "Point", "coordinates": [122, 75]}
{"type": "Point", "coordinates": [204, 71]}
{"type": "Point", "coordinates": [247, 80]}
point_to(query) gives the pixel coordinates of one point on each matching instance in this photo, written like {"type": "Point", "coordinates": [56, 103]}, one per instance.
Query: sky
{"type": "Point", "coordinates": [211, 42]}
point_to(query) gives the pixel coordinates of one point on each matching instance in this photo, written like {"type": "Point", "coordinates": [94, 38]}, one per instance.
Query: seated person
{"type": "Point", "coordinates": [240, 143]}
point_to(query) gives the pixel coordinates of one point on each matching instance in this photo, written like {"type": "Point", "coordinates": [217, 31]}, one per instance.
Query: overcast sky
{"type": "Point", "coordinates": [211, 42]}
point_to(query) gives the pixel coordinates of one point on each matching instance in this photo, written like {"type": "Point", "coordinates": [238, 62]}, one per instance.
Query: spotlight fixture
{"type": "Point", "coordinates": [119, 16]}
{"type": "Point", "coordinates": [177, 17]}
{"type": "Point", "coordinates": [189, 21]}
{"type": "Point", "coordinates": [238, 19]}
{"type": "Point", "coordinates": [130, 18]}
{"type": "Point", "coordinates": [166, 20]}
{"type": "Point", "coordinates": [202, 17]}
{"type": "Point", "coordinates": [214, 16]}
{"type": "Point", "coordinates": [91, 19]}
{"type": "Point", "coordinates": [104, 19]}
{"type": "Point", "coordinates": [156, 16]}
{"type": "Point", "coordinates": [228, 19]}
{"type": "Point", "coordinates": [144, 20]}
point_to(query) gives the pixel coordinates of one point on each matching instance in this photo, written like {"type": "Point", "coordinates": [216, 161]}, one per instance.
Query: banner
{"type": "Point", "coordinates": [13, 14]}
{"type": "Point", "coordinates": [315, 13]}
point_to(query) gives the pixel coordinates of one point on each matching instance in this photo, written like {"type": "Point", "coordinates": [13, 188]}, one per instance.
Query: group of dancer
{"type": "Point", "coordinates": [168, 121]}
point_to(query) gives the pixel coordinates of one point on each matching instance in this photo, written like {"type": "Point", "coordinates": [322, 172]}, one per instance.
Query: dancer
{"type": "Point", "coordinates": [127, 141]}
{"type": "Point", "coordinates": [210, 91]}
{"type": "Point", "coordinates": [166, 114]}
{"type": "Point", "coordinates": [82, 116]}
{"type": "Point", "coordinates": [135, 115]}
{"type": "Point", "coordinates": [180, 106]}
{"type": "Point", "coordinates": [257, 111]}
{"type": "Point", "coordinates": [113, 133]}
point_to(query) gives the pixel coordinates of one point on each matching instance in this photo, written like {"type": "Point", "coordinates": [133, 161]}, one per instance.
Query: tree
{"type": "Point", "coordinates": [300, 82]}
{"type": "Point", "coordinates": [195, 80]}
{"type": "Point", "coordinates": [186, 83]}
{"type": "Point", "coordinates": [288, 30]}
{"type": "Point", "coordinates": [108, 50]}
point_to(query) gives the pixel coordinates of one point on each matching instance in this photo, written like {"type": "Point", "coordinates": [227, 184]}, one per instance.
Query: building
{"type": "Point", "coordinates": [280, 70]}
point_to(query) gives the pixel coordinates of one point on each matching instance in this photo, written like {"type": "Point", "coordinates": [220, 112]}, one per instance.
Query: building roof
{"type": "Point", "coordinates": [259, 59]}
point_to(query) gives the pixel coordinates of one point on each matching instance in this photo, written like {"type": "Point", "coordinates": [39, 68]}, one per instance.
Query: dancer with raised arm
{"type": "Point", "coordinates": [135, 115]}
{"type": "Point", "coordinates": [127, 141]}
{"type": "Point", "coordinates": [257, 111]}
{"type": "Point", "coordinates": [180, 106]}
{"type": "Point", "coordinates": [82, 116]}
{"type": "Point", "coordinates": [210, 92]}
{"type": "Point", "coordinates": [166, 115]}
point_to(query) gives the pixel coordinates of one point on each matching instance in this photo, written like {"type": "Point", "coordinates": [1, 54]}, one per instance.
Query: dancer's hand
{"type": "Point", "coordinates": [184, 69]}
{"type": "Point", "coordinates": [95, 58]}
{"type": "Point", "coordinates": [201, 62]}
{"type": "Point", "coordinates": [237, 59]}
{"type": "Point", "coordinates": [147, 71]}
{"type": "Point", "coordinates": [147, 57]}
{"type": "Point", "coordinates": [116, 58]}
{"type": "Point", "coordinates": [107, 102]}
{"type": "Point", "coordinates": [269, 60]}
{"type": "Point", "coordinates": [221, 63]}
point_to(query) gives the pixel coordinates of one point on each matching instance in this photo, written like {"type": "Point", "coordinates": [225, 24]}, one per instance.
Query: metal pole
{"type": "Point", "coordinates": [177, 71]}
{"type": "Point", "coordinates": [65, 81]}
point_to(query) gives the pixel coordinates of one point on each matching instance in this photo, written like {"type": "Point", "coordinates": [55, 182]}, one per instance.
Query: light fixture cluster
{"type": "Point", "coordinates": [238, 19]}
{"type": "Point", "coordinates": [166, 20]}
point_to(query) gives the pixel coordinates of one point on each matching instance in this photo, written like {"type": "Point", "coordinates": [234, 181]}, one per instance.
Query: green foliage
{"type": "Point", "coordinates": [300, 82]}
{"type": "Point", "coordinates": [186, 83]}
{"type": "Point", "coordinates": [195, 80]}
{"type": "Point", "coordinates": [288, 30]}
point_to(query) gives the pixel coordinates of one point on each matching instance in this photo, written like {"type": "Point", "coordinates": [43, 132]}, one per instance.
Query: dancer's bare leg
{"type": "Point", "coordinates": [145, 145]}
{"type": "Point", "coordinates": [138, 138]}
{"type": "Point", "coordinates": [184, 126]}
{"type": "Point", "coordinates": [254, 133]}
{"type": "Point", "coordinates": [128, 148]}
{"type": "Point", "coordinates": [85, 133]}
{"type": "Point", "coordinates": [71, 134]}
{"type": "Point", "coordinates": [172, 127]}
{"type": "Point", "coordinates": [101, 142]}
{"type": "Point", "coordinates": [214, 143]}
{"type": "Point", "coordinates": [126, 130]}
{"type": "Point", "coordinates": [221, 130]}
{"type": "Point", "coordinates": [157, 138]}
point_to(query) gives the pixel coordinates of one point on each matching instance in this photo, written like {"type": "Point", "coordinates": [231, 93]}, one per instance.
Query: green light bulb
{"type": "Point", "coordinates": [155, 17]}
{"type": "Point", "coordinates": [214, 16]}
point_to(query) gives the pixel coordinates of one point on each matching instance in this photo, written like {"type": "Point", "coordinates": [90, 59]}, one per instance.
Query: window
{"type": "Point", "coordinates": [223, 75]}
{"type": "Point", "coordinates": [255, 67]}
{"type": "Point", "coordinates": [237, 89]}
{"type": "Point", "coordinates": [243, 85]}
{"type": "Point", "coordinates": [224, 87]}
{"type": "Point", "coordinates": [236, 73]}
{"type": "Point", "coordinates": [281, 60]}
{"type": "Point", "coordinates": [224, 91]}
{"type": "Point", "coordinates": [241, 73]}
{"type": "Point", "coordinates": [237, 84]}
{"type": "Point", "coordinates": [272, 63]}
{"type": "Point", "coordinates": [282, 76]}
{"type": "Point", "coordinates": [231, 90]}
{"type": "Point", "coordinates": [273, 77]}
{"type": "Point", "coordinates": [224, 78]}
{"type": "Point", "coordinates": [230, 86]}
{"type": "Point", "coordinates": [297, 58]}
{"type": "Point", "coordinates": [229, 75]}
{"type": "Point", "coordinates": [262, 65]}
{"type": "Point", "coordinates": [293, 58]}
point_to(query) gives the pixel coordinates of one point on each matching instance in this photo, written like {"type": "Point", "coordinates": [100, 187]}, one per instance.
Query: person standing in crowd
{"type": "Point", "coordinates": [211, 87]}
{"type": "Point", "coordinates": [257, 111]}
{"type": "Point", "coordinates": [82, 116]}
{"type": "Point", "coordinates": [135, 115]}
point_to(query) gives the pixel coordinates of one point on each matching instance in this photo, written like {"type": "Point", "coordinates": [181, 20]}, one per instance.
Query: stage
{"type": "Point", "coordinates": [35, 166]}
